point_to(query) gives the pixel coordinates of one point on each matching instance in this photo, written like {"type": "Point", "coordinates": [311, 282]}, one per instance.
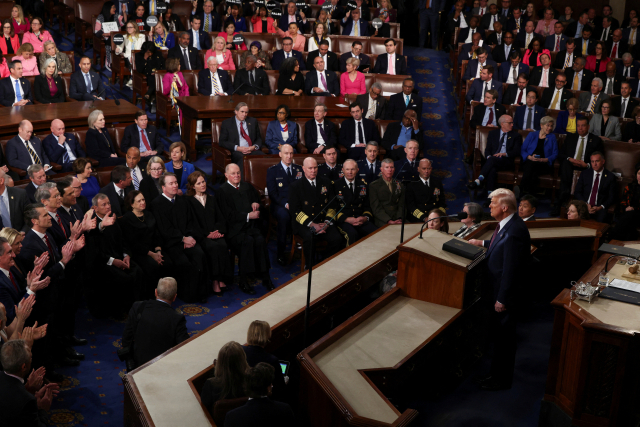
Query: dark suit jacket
{"type": "Point", "coordinates": [585, 97]}
{"type": "Point", "coordinates": [364, 61]}
{"type": "Point", "coordinates": [587, 76]}
{"type": "Point", "coordinates": [131, 138]}
{"type": "Point", "coordinates": [382, 64]}
{"type": "Point", "coordinates": [333, 62]}
{"type": "Point", "coordinates": [284, 21]}
{"type": "Point", "coordinates": [514, 144]}
{"type": "Point", "coordinates": [18, 156]}
{"type": "Point", "coordinates": [617, 81]}
{"type": "Point", "coordinates": [606, 191]}
{"type": "Point", "coordinates": [635, 66]}
{"type": "Point", "coordinates": [486, 19]}
{"type": "Point", "coordinates": [311, 134]}
{"type": "Point", "coordinates": [78, 87]}
{"type": "Point", "coordinates": [518, 119]}
{"type": "Point", "coordinates": [568, 149]}
{"type": "Point", "coordinates": [467, 54]}
{"type": "Point", "coordinates": [269, 412]}
{"type": "Point", "coordinates": [56, 152]}
{"type": "Point", "coordinates": [278, 59]}
{"type": "Point", "coordinates": [421, 199]}
{"type": "Point", "coordinates": [547, 97]}
{"type": "Point", "coordinates": [616, 107]}
{"type": "Point", "coordinates": [204, 82]}
{"type": "Point", "coordinates": [535, 77]}
{"type": "Point", "coordinates": [472, 69]}
{"type": "Point", "coordinates": [561, 58]}
{"type": "Point", "coordinates": [571, 29]}
{"type": "Point", "coordinates": [30, 189]}
{"type": "Point", "coordinates": [363, 30]}
{"type": "Point", "coordinates": [159, 328]}
{"type": "Point", "coordinates": [278, 183]}
{"type": "Point", "coordinates": [32, 247]}
{"type": "Point", "coordinates": [117, 206]}
{"type": "Point", "coordinates": [18, 201]}
{"type": "Point", "coordinates": [18, 406]}
{"type": "Point", "coordinates": [216, 22]}
{"type": "Point", "coordinates": [348, 132]}
{"type": "Point", "coordinates": [205, 39]}
{"type": "Point", "coordinates": [311, 81]}
{"type": "Point", "coordinates": [396, 106]}
{"type": "Point", "coordinates": [393, 132]}
{"type": "Point", "coordinates": [43, 93]}
{"type": "Point", "coordinates": [8, 94]}
{"type": "Point", "coordinates": [505, 70]}
{"type": "Point", "coordinates": [498, 54]}
{"type": "Point", "coordinates": [563, 120]}
{"type": "Point", "coordinates": [512, 25]}
{"type": "Point", "coordinates": [464, 33]}
{"type": "Point", "coordinates": [492, 39]}
{"type": "Point", "coordinates": [480, 110]}
{"type": "Point", "coordinates": [230, 137]}
{"type": "Point", "coordinates": [521, 39]}
{"type": "Point", "coordinates": [194, 58]}
{"type": "Point", "coordinates": [9, 295]}
{"type": "Point", "coordinates": [511, 95]}
{"type": "Point", "coordinates": [506, 259]}
{"type": "Point", "coordinates": [256, 354]}
{"type": "Point", "coordinates": [475, 91]}
{"type": "Point", "coordinates": [381, 104]}
{"type": "Point", "coordinates": [550, 43]}
{"type": "Point", "coordinates": [260, 85]}
{"type": "Point", "coordinates": [99, 146]}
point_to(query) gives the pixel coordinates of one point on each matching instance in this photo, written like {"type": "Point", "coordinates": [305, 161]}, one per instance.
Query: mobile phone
{"type": "Point", "coordinates": [284, 365]}
{"type": "Point", "coordinates": [537, 156]}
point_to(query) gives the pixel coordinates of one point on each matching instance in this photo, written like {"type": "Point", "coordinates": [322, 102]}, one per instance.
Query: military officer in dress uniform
{"type": "Point", "coordinates": [425, 194]}
{"type": "Point", "coordinates": [330, 169]}
{"type": "Point", "coordinates": [307, 198]}
{"type": "Point", "coordinates": [279, 177]}
{"type": "Point", "coordinates": [407, 169]}
{"type": "Point", "coordinates": [355, 220]}
{"type": "Point", "coordinates": [369, 168]}
{"type": "Point", "coordinates": [387, 196]}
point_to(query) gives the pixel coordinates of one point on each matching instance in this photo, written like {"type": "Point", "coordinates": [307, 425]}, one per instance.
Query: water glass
{"type": "Point", "coordinates": [603, 279]}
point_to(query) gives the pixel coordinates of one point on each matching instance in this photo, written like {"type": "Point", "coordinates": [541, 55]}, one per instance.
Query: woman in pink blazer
{"type": "Point", "coordinates": [9, 38]}
{"type": "Point", "coordinates": [19, 21]}
{"type": "Point", "coordinates": [299, 40]}
{"type": "Point", "coordinates": [532, 55]}
{"type": "Point", "coordinates": [28, 59]}
{"type": "Point", "coordinates": [262, 22]}
{"type": "Point", "coordinates": [172, 76]}
{"type": "Point", "coordinates": [353, 80]}
{"type": "Point", "coordinates": [220, 52]}
{"type": "Point", "coordinates": [228, 34]}
{"type": "Point", "coordinates": [36, 36]}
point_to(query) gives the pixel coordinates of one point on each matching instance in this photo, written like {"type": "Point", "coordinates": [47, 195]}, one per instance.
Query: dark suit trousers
{"type": "Point", "coordinates": [237, 158]}
{"type": "Point", "coordinates": [332, 236]}
{"type": "Point", "coordinates": [153, 272]}
{"type": "Point", "coordinates": [626, 223]}
{"type": "Point", "coordinates": [490, 170]}
{"type": "Point", "coordinates": [601, 216]}
{"type": "Point", "coordinates": [283, 219]}
{"type": "Point", "coordinates": [251, 248]}
{"type": "Point", "coordinates": [530, 172]}
{"type": "Point", "coordinates": [356, 153]}
{"type": "Point", "coordinates": [566, 172]}
{"type": "Point", "coordinates": [188, 266]}
{"type": "Point", "coordinates": [503, 326]}
{"type": "Point", "coordinates": [352, 233]}
{"type": "Point", "coordinates": [122, 286]}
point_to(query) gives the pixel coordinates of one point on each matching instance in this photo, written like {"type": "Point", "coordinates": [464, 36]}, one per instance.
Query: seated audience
{"type": "Point", "coordinates": [330, 169]}
{"type": "Point", "coordinates": [19, 20]}
{"type": "Point", "coordinates": [524, 39]}
{"type": "Point", "coordinates": [353, 25]}
{"type": "Point", "coordinates": [627, 218]}
{"type": "Point", "coordinates": [28, 59]}
{"type": "Point", "coordinates": [240, 135]}
{"type": "Point", "coordinates": [356, 52]}
{"type": "Point", "coordinates": [479, 87]}
{"type": "Point", "coordinates": [473, 220]}
{"type": "Point", "coordinates": [390, 62]}
{"type": "Point", "coordinates": [262, 60]}
{"type": "Point", "coordinates": [262, 22]}
{"type": "Point", "coordinates": [624, 105]}
{"type": "Point", "coordinates": [258, 336]}
{"type": "Point", "coordinates": [142, 136]}
{"type": "Point", "coordinates": [161, 37]}
{"type": "Point", "coordinates": [597, 62]}
{"type": "Point", "coordinates": [98, 141]}
{"type": "Point", "coordinates": [118, 189]}
{"type": "Point", "coordinates": [291, 31]}
{"type": "Point", "coordinates": [628, 67]}
{"type": "Point", "coordinates": [171, 20]}
{"type": "Point", "coordinates": [331, 60]}
{"type": "Point", "coordinates": [153, 327]}
{"type": "Point", "coordinates": [578, 210]}
{"type": "Point", "coordinates": [437, 221]}
{"type": "Point", "coordinates": [62, 60]}
{"type": "Point", "coordinates": [496, 38]}
{"type": "Point", "coordinates": [320, 33]}
{"type": "Point", "coordinates": [566, 57]}
{"type": "Point", "coordinates": [36, 36]}
{"type": "Point", "coordinates": [527, 207]}
{"type": "Point", "coordinates": [407, 169]}
{"type": "Point", "coordinates": [425, 194]}
{"type": "Point", "coordinates": [251, 80]}
{"type": "Point", "coordinates": [15, 90]}
{"type": "Point", "coordinates": [356, 131]}
{"type": "Point", "coordinates": [228, 380]}
{"type": "Point", "coordinates": [533, 56]}
{"type": "Point", "coordinates": [399, 133]}
{"type": "Point", "coordinates": [133, 40]}
{"type": "Point", "coordinates": [597, 187]}
{"type": "Point", "coordinates": [281, 131]}
{"type": "Point", "coordinates": [373, 103]}
{"type": "Point", "coordinates": [173, 82]}
{"type": "Point", "coordinates": [179, 166]}
{"type": "Point", "coordinates": [150, 184]}
{"type": "Point", "coordinates": [491, 17]}
{"type": "Point", "coordinates": [543, 75]}
{"type": "Point", "coordinates": [567, 119]}
{"type": "Point", "coordinates": [592, 102]}
{"type": "Point", "coordinates": [352, 81]}
{"type": "Point", "coordinates": [321, 82]}
{"type": "Point", "coordinates": [369, 167]}
{"type": "Point", "coordinates": [475, 66]}
{"type": "Point", "coordinates": [578, 77]}
{"type": "Point", "coordinates": [48, 87]}
{"type": "Point", "coordinates": [586, 43]}
{"type": "Point", "coordinates": [511, 69]}
{"type": "Point", "coordinates": [210, 19]}
{"type": "Point", "coordinates": [466, 35]}
{"type": "Point", "coordinates": [213, 81]}
{"type": "Point", "coordinates": [604, 125]}
{"type": "Point", "coordinates": [469, 51]}
{"type": "Point", "coordinates": [139, 16]}
{"type": "Point", "coordinates": [25, 149]}
{"type": "Point", "coordinates": [229, 33]}
{"type": "Point", "coordinates": [234, 16]}
{"type": "Point", "coordinates": [319, 132]}
{"type": "Point", "coordinates": [527, 117]}
{"type": "Point", "coordinates": [287, 52]}
{"type": "Point", "coordinates": [516, 94]}
{"type": "Point", "coordinates": [611, 81]}
{"type": "Point", "coordinates": [632, 130]}
{"type": "Point", "coordinates": [556, 41]}
{"type": "Point", "coordinates": [487, 114]}
{"type": "Point", "coordinates": [355, 220]}
{"type": "Point", "coordinates": [404, 100]}
{"type": "Point", "coordinates": [200, 39]}
{"type": "Point", "coordinates": [556, 97]}
{"type": "Point", "coordinates": [61, 147]}
{"type": "Point", "coordinates": [9, 42]}
{"type": "Point", "coordinates": [290, 80]}
{"type": "Point", "coordinates": [85, 84]}
{"type": "Point", "coordinates": [110, 13]}
{"type": "Point", "coordinates": [222, 54]}
{"type": "Point", "coordinates": [539, 151]}
{"type": "Point", "coordinates": [90, 186]}
{"type": "Point", "coordinates": [386, 195]}
{"type": "Point", "coordinates": [504, 51]}
{"type": "Point", "coordinates": [188, 56]}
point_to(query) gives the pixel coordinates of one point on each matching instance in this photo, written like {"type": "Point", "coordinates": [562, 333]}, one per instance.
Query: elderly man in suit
{"type": "Point", "coordinates": [407, 169]}
{"type": "Point", "coordinates": [591, 102]}
{"type": "Point", "coordinates": [597, 187]}
{"type": "Point", "coordinates": [528, 116]}
{"type": "Point", "coordinates": [488, 113]}
{"type": "Point", "coordinates": [356, 52]}
{"type": "Point", "coordinates": [480, 86]}
{"type": "Point", "coordinates": [15, 90]}
{"type": "Point", "coordinates": [25, 149]}
{"type": "Point", "coordinates": [209, 18]}
{"type": "Point", "coordinates": [200, 40]}
{"type": "Point", "coordinates": [398, 134]}
{"type": "Point", "coordinates": [293, 15]}
{"type": "Point", "coordinates": [356, 131]}
{"type": "Point", "coordinates": [153, 327]}
{"type": "Point", "coordinates": [287, 51]}
{"type": "Point", "coordinates": [611, 80]}
{"type": "Point", "coordinates": [404, 100]}
{"type": "Point", "coordinates": [37, 176]}
{"type": "Point", "coordinates": [142, 136]}
{"type": "Point", "coordinates": [85, 84]}
{"type": "Point", "coordinates": [251, 80]}
{"type": "Point", "coordinates": [390, 62]}
{"type": "Point", "coordinates": [616, 47]}
{"type": "Point", "coordinates": [118, 188]}
{"type": "Point", "coordinates": [62, 148]}
{"type": "Point", "coordinates": [386, 195]}
{"type": "Point", "coordinates": [189, 58]}
{"type": "Point", "coordinates": [475, 66]}
{"type": "Point", "coordinates": [628, 67]}
{"type": "Point", "coordinates": [508, 254]}
{"type": "Point", "coordinates": [214, 81]}
{"type": "Point", "coordinates": [510, 70]}
{"type": "Point", "coordinates": [319, 132]}
{"type": "Point", "coordinates": [331, 60]}
{"type": "Point", "coordinates": [373, 103]}
{"type": "Point", "coordinates": [424, 194]}
{"type": "Point", "coordinates": [321, 82]}
{"type": "Point", "coordinates": [556, 97]}
{"type": "Point", "coordinates": [240, 135]}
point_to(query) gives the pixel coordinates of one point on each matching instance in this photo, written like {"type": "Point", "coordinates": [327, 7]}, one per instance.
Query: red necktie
{"type": "Point", "coordinates": [594, 190]}
{"type": "Point", "coordinates": [481, 12]}
{"type": "Point", "coordinates": [60, 224]}
{"type": "Point", "coordinates": [46, 240]}
{"type": "Point", "coordinates": [495, 233]}
{"type": "Point", "coordinates": [557, 43]}
{"type": "Point", "coordinates": [144, 140]}
{"type": "Point", "coordinates": [15, 285]}
{"type": "Point", "coordinates": [244, 134]}
{"type": "Point", "coordinates": [490, 121]}
{"type": "Point", "coordinates": [519, 101]}
{"type": "Point", "coordinates": [614, 51]}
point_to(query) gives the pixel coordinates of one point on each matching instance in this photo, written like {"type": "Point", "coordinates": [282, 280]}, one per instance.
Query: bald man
{"type": "Point", "coordinates": [425, 194]}
{"type": "Point", "coordinates": [137, 171]}
{"type": "Point", "coordinates": [62, 147]}
{"type": "Point", "coordinates": [312, 209]}
{"type": "Point", "coordinates": [25, 150]}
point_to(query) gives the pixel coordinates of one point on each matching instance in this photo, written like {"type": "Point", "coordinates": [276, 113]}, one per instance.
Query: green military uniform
{"type": "Point", "coordinates": [386, 205]}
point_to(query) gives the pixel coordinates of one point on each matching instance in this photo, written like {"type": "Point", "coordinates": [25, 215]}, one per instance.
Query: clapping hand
{"type": "Point", "coordinates": [46, 394]}
{"type": "Point", "coordinates": [108, 220]}
{"type": "Point", "coordinates": [78, 244]}
{"type": "Point", "coordinates": [33, 280]}
{"type": "Point", "coordinates": [23, 310]}
{"type": "Point", "coordinates": [89, 223]}
{"type": "Point", "coordinates": [35, 379]}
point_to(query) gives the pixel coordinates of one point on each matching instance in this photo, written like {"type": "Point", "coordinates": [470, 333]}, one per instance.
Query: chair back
{"type": "Point", "coordinates": [223, 406]}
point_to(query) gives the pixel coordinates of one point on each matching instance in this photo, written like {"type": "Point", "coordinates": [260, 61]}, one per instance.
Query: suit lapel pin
{"type": "Point", "coordinates": [11, 197]}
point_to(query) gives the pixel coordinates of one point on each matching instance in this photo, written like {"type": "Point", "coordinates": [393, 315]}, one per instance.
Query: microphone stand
{"type": "Point", "coordinates": [234, 92]}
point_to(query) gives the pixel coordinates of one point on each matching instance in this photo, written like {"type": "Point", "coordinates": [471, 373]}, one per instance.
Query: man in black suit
{"type": "Point", "coordinates": [14, 200]}
{"type": "Point", "coordinates": [314, 139]}
{"type": "Point", "coordinates": [199, 39]}
{"type": "Point", "coordinates": [497, 37]}
{"type": "Point", "coordinates": [25, 149]}
{"type": "Point", "coordinates": [356, 131]}
{"type": "Point", "coordinates": [468, 51]}
{"type": "Point", "coordinates": [584, 77]}
{"type": "Point", "coordinates": [517, 94]}
{"type": "Point", "coordinates": [489, 20]}
{"type": "Point", "coordinates": [425, 194]}
{"type": "Point", "coordinates": [585, 44]}
{"type": "Point", "coordinates": [475, 66]}
{"type": "Point", "coordinates": [623, 106]}
{"type": "Point", "coordinates": [527, 207]}
{"type": "Point", "coordinates": [404, 100]}
{"type": "Point", "coordinates": [254, 80]}
{"type": "Point", "coordinates": [292, 15]}
{"type": "Point", "coordinates": [356, 52]}
{"type": "Point", "coordinates": [118, 188]}
{"type": "Point", "coordinates": [373, 103]}
{"type": "Point", "coordinates": [214, 81]}
{"type": "Point", "coordinates": [510, 70]}
{"type": "Point", "coordinates": [506, 9]}
{"type": "Point", "coordinates": [331, 60]}
{"type": "Point", "coordinates": [287, 51]}
{"type": "Point", "coordinates": [611, 80]}
{"type": "Point", "coordinates": [628, 67]}
{"type": "Point", "coordinates": [399, 133]}
{"type": "Point", "coordinates": [85, 84]}
{"type": "Point", "coordinates": [572, 155]}
{"type": "Point", "coordinates": [62, 148]}
{"type": "Point", "coordinates": [508, 254]}
{"type": "Point", "coordinates": [466, 34]}
{"type": "Point", "coordinates": [143, 137]}
{"type": "Point", "coordinates": [321, 82]}
{"type": "Point", "coordinates": [456, 19]}
{"type": "Point", "coordinates": [576, 27]}
{"type": "Point", "coordinates": [503, 51]}
{"type": "Point", "coordinates": [566, 58]}
{"type": "Point", "coordinates": [189, 58]}
{"type": "Point", "coordinates": [524, 38]}
{"type": "Point", "coordinates": [597, 187]}
{"type": "Point", "coordinates": [153, 327]}
{"type": "Point", "coordinates": [616, 47]}
{"type": "Point", "coordinates": [37, 176]}
{"type": "Point", "coordinates": [487, 114]}
{"type": "Point", "coordinates": [8, 95]}
{"type": "Point", "coordinates": [547, 9]}
{"type": "Point", "coordinates": [240, 135]}
{"type": "Point", "coordinates": [353, 25]}
{"type": "Point", "coordinates": [556, 97]}
{"type": "Point", "coordinates": [21, 406]}
{"type": "Point", "coordinates": [480, 86]}
{"type": "Point", "coordinates": [382, 63]}
{"type": "Point", "coordinates": [503, 146]}
{"type": "Point", "coordinates": [605, 31]}
{"type": "Point", "coordinates": [369, 167]}
{"type": "Point", "coordinates": [330, 169]}
{"type": "Point", "coordinates": [543, 75]}
{"type": "Point", "coordinates": [515, 24]}
{"type": "Point", "coordinates": [355, 220]}
{"type": "Point", "coordinates": [556, 42]}
{"type": "Point", "coordinates": [209, 18]}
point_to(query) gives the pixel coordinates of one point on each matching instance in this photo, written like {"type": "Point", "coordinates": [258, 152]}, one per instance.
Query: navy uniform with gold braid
{"type": "Point", "coordinates": [331, 174]}
{"type": "Point", "coordinates": [278, 185]}
{"type": "Point", "coordinates": [356, 204]}
{"type": "Point", "coordinates": [365, 173]}
{"type": "Point", "coordinates": [405, 171]}
{"type": "Point", "coordinates": [422, 198]}
{"type": "Point", "coordinates": [304, 204]}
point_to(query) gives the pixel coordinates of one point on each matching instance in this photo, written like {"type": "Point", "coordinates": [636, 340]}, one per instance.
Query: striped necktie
{"type": "Point", "coordinates": [136, 182]}
{"type": "Point", "coordinates": [33, 154]}
{"type": "Point", "coordinates": [216, 87]}
{"type": "Point", "coordinates": [592, 107]}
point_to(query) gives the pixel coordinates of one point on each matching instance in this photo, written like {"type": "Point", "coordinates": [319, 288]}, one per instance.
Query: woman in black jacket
{"type": "Point", "coordinates": [258, 337]}
{"type": "Point", "coordinates": [48, 87]}
{"type": "Point", "coordinates": [98, 142]}
{"type": "Point", "coordinates": [150, 185]}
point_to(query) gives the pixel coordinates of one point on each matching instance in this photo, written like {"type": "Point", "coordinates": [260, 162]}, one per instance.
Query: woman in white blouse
{"type": "Point", "coordinates": [132, 41]}
{"type": "Point", "coordinates": [320, 33]}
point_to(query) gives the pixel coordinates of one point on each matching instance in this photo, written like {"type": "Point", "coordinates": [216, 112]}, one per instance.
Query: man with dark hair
{"type": "Point", "coordinates": [260, 409]}
{"type": "Point", "coordinates": [356, 131]}
{"type": "Point", "coordinates": [15, 90]}
{"type": "Point", "coordinates": [496, 38]}
{"type": "Point", "coordinates": [528, 116]}
{"type": "Point", "coordinates": [142, 136]}
{"type": "Point", "coordinates": [490, 19]}
{"type": "Point", "coordinates": [14, 200]}
{"type": "Point", "coordinates": [623, 106]}
{"type": "Point", "coordinates": [356, 52]}
{"type": "Point", "coordinates": [515, 24]}
{"type": "Point", "coordinates": [516, 94]}
{"type": "Point", "coordinates": [398, 134]}
{"type": "Point", "coordinates": [200, 40]}
{"type": "Point", "coordinates": [543, 75]}
{"type": "Point", "coordinates": [254, 81]}
{"type": "Point", "coordinates": [503, 50]}
{"type": "Point", "coordinates": [527, 207]}
{"type": "Point", "coordinates": [390, 62]}
{"type": "Point", "coordinates": [576, 27]}
{"type": "Point", "coordinates": [189, 58]}
{"type": "Point", "coordinates": [513, 67]}
{"type": "Point", "coordinates": [369, 167]}
{"type": "Point", "coordinates": [240, 135]}
{"type": "Point", "coordinates": [286, 52]}
{"type": "Point", "coordinates": [557, 41]}
{"type": "Point", "coordinates": [488, 113]}
{"type": "Point", "coordinates": [597, 187]}
{"type": "Point", "coordinates": [556, 97]}
{"type": "Point", "coordinates": [330, 169]}
{"type": "Point", "coordinates": [475, 66]}
{"type": "Point", "coordinates": [585, 44]}
{"type": "Point", "coordinates": [331, 60]}
{"type": "Point", "coordinates": [468, 50]}
{"type": "Point", "coordinates": [85, 84]}
{"type": "Point", "coordinates": [481, 86]}
{"type": "Point", "coordinates": [579, 78]}
{"type": "Point", "coordinates": [566, 57]}
{"type": "Point", "coordinates": [400, 102]}
{"type": "Point", "coordinates": [466, 35]}
{"type": "Point", "coordinates": [319, 132]}
{"type": "Point", "coordinates": [118, 188]}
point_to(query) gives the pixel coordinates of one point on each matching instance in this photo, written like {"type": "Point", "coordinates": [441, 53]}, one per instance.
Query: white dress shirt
{"type": "Point", "coordinates": [215, 77]}
{"type": "Point", "coordinates": [480, 67]}
{"type": "Point", "coordinates": [555, 91]}
{"type": "Point", "coordinates": [138, 172]}
{"type": "Point", "coordinates": [371, 110]}
{"type": "Point", "coordinates": [358, 127]}
{"type": "Point", "coordinates": [510, 79]}
{"type": "Point", "coordinates": [72, 156]}
{"type": "Point", "coordinates": [320, 140]}
{"type": "Point", "coordinates": [13, 86]}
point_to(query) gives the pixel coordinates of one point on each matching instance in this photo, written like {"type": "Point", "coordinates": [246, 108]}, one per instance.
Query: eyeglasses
{"type": "Point", "coordinates": [155, 169]}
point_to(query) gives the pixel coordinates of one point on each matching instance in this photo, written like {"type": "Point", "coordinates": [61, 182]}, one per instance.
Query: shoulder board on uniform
{"type": "Point", "coordinates": [274, 166]}
{"type": "Point", "coordinates": [332, 182]}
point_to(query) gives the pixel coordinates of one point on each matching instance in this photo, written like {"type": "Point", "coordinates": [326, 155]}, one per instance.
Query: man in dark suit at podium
{"type": "Point", "coordinates": [508, 255]}
{"type": "Point", "coordinates": [255, 80]}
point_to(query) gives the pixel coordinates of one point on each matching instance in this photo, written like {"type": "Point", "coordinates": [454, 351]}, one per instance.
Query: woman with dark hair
{"type": "Point", "coordinates": [577, 210]}
{"type": "Point", "coordinates": [211, 222]}
{"type": "Point", "coordinates": [292, 31]}
{"type": "Point", "coordinates": [290, 81]}
{"type": "Point", "coordinates": [37, 35]}
{"type": "Point", "coordinates": [262, 21]}
{"type": "Point", "coordinates": [440, 224]}
{"type": "Point", "coordinates": [628, 219]}
{"type": "Point", "coordinates": [140, 17]}
{"type": "Point", "coordinates": [109, 14]}
{"type": "Point", "coordinates": [320, 33]}
{"type": "Point", "coordinates": [627, 19]}
{"type": "Point", "coordinates": [255, 49]}
{"type": "Point", "coordinates": [90, 185]}
{"type": "Point", "coordinates": [174, 84]}
{"type": "Point", "coordinates": [532, 55]}
{"type": "Point", "coordinates": [632, 130]}
{"type": "Point", "coordinates": [281, 131]}
{"type": "Point", "coordinates": [148, 61]}
{"type": "Point", "coordinates": [140, 232]}
{"type": "Point", "coordinates": [599, 60]}
{"type": "Point", "coordinates": [604, 124]}
{"type": "Point", "coordinates": [234, 14]}
{"type": "Point", "coordinates": [9, 42]}
{"type": "Point", "coordinates": [567, 17]}
{"type": "Point", "coordinates": [171, 20]}
{"type": "Point", "coordinates": [228, 380]}
{"type": "Point", "coordinates": [228, 34]}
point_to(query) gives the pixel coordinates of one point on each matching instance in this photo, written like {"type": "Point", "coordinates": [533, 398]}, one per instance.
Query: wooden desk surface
{"type": "Point", "coordinates": [73, 114]}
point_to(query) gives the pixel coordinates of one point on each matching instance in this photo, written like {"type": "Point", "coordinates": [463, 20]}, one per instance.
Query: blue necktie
{"type": "Point", "coordinates": [503, 147]}
{"type": "Point", "coordinates": [197, 37]}
{"type": "Point", "coordinates": [406, 100]}
{"type": "Point", "coordinates": [18, 95]}
{"type": "Point", "coordinates": [4, 212]}
{"type": "Point", "coordinates": [88, 83]}
{"type": "Point", "coordinates": [136, 182]}
{"type": "Point", "coordinates": [65, 157]}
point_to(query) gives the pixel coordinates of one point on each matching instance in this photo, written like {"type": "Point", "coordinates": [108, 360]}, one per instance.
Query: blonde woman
{"type": "Point", "coordinates": [132, 41]}
{"type": "Point", "coordinates": [51, 51]}
{"type": "Point", "coordinates": [224, 57]}
{"type": "Point", "coordinates": [98, 142]}
{"type": "Point", "coordinates": [28, 59]}
{"type": "Point", "coordinates": [258, 337]}
{"type": "Point", "coordinates": [36, 35]}
{"type": "Point", "coordinates": [48, 87]}
{"type": "Point", "coordinates": [150, 185]}
{"type": "Point", "coordinates": [163, 39]}
{"type": "Point", "coordinates": [20, 23]}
